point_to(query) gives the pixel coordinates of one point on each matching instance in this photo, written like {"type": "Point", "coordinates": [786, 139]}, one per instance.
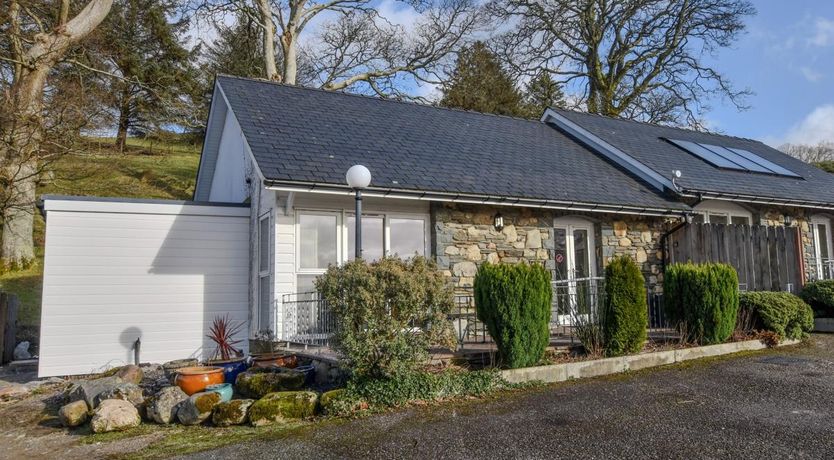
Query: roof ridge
{"type": "Point", "coordinates": [658, 125]}
{"type": "Point", "coordinates": [375, 98]}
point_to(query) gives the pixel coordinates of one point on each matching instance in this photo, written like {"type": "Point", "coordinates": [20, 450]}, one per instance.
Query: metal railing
{"type": "Point", "coordinates": [307, 319]}
{"type": "Point", "coordinates": [820, 269]}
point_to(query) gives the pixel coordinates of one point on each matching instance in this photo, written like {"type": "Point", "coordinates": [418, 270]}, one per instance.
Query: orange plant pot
{"type": "Point", "coordinates": [275, 359]}
{"type": "Point", "coordinates": [195, 379]}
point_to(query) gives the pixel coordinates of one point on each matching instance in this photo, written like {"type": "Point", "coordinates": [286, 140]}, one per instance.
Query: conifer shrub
{"type": "Point", "coordinates": [625, 310]}
{"type": "Point", "coordinates": [820, 296]}
{"type": "Point", "coordinates": [782, 313]}
{"type": "Point", "coordinates": [514, 301]}
{"type": "Point", "coordinates": [702, 300]}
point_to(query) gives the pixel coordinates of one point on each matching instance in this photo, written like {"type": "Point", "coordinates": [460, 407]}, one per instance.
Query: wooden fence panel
{"type": "Point", "coordinates": [766, 258]}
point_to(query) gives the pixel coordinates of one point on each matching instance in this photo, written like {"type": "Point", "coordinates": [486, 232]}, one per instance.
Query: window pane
{"type": "Point", "coordinates": [698, 219]}
{"type": "Point", "coordinates": [264, 303]}
{"type": "Point", "coordinates": [740, 220]}
{"type": "Point", "coordinates": [408, 237]}
{"type": "Point", "coordinates": [823, 241]}
{"type": "Point", "coordinates": [372, 234]}
{"type": "Point", "coordinates": [717, 219]}
{"type": "Point", "coordinates": [263, 243]}
{"type": "Point", "coordinates": [318, 240]}
{"type": "Point", "coordinates": [581, 255]}
{"type": "Point", "coordinates": [305, 284]}
{"type": "Point", "coordinates": [561, 254]}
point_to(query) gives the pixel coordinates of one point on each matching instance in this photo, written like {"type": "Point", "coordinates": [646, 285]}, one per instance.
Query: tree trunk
{"type": "Point", "coordinates": [270, 68]}
{"type": "Point", "coordinates": [124, 121]}
{"type": "Point", "coordinates": [22, 126]}
{"type": "Point", "coordinates": [289, 46]}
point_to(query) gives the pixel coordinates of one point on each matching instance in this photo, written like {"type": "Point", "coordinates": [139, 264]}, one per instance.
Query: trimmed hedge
{"type": "Point", "coordinates": [780, 312]}
{"type": "Point", "coordinates": [625, 311]}
{"type": "Point", "coordinates": [820, 296]}
{"type": "Point", "coordinates": [513, 301]}
{"type": "Point", "coordinates": [702, 300]}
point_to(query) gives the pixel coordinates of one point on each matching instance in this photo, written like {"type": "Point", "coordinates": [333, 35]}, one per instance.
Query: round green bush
{"type": "Point", "coordinates": [820, 295]}
{"type": "Point", "coordinates": [513, 301]}
{"type": "Point", "coordinates": [625, 311]}
{"type": "Point", "coordinates": [702, 300]}
{"type": "Point", "coordinates": [780, 312]}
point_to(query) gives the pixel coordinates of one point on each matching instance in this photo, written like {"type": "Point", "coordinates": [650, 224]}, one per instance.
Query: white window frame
{"type": "Point", "coordinates": [816, 222]}
{"type": "Point", "coordinates": [724, 209]}
{"type": "Point", "coordinates": [266, 274]}
{"type": "Point", "coordinates": [569, 224]}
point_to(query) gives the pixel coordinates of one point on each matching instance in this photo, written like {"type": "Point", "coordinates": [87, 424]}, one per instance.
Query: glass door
{"type": "Point", "coordinates": [821, 228]}
{"type": "Point", "coordinates": [575, 269]}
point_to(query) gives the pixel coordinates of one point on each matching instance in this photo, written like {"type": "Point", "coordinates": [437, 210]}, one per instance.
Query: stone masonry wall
{"type": "Point", "coordinates": [464, 237]}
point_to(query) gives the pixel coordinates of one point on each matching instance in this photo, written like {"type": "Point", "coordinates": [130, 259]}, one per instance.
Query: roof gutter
{"type": "Point", "coordinates": [740, 198]}
{"type": "Point", "coordinates": [324, 188]}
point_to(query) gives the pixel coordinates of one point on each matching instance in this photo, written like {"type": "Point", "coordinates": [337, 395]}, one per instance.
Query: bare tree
{"type": "Point", "coordinates": [638, 59]}
{"type": "Point", "coordinates": [354, 43]}
{"type": "Point", "coordinates": [35, 40]}
{"type": "Point", "coordinates": [824, 151]}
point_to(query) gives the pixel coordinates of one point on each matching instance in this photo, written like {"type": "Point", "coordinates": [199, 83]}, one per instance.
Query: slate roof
{"type": "Point", "coordinates": [314, 136]}
{"type": "Point", "coordinates": [644, 142]}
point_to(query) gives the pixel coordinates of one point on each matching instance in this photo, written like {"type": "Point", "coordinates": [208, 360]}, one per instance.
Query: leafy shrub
{"type": "Point", "coordinates": [820, 295]}
{"type": "Point", "coordinates": [625, 316]}
{"type": "Point", "coordinates": [513, 301]}
{"type": "Point", "coordinates": [702, 300]}
{"type": "Point", "coordinates": [414, 386]}
{"type": "Point", "coordinates": [388, 313]}
{"type": "Point", "coordinates": [780, 312]}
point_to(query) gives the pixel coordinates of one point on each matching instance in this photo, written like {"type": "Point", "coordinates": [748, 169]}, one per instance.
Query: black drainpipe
{"type": "Point", "coordinates": [687, 218]}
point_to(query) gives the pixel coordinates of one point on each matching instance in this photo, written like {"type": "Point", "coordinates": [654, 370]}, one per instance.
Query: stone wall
{"type": "Point", "coordinates": [464, 237]}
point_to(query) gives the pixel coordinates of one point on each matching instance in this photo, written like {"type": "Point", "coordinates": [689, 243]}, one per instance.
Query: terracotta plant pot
{"type": "Point", "coordinates": [275, 359]}
{"type": "Point", "coordinates": [195, 379]}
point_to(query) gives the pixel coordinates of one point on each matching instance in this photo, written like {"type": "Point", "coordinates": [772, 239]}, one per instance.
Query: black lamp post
{"type": "Point", "coordinates": [358, 177]}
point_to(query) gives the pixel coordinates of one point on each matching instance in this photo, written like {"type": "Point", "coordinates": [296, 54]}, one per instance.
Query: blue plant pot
{"type": "Point", "coordinates": [231, 369]}
{"type": "Point", "coordinates": [225, 391]}
{"type": "Point", "coordinates": [309, 373]}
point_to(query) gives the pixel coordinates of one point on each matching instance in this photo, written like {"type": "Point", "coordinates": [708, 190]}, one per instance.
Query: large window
{"type": "Point", "coordinates": [328, 238]}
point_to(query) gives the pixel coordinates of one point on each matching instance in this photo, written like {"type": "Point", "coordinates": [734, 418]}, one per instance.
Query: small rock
{"type": "Point", "coordinates": [234, 412]}
{"type": "Point", "coordinates": [87, 390]}
{"type": "Point", "coordinates": [13, 391]}
{"type": "Point", "coordinates": [21, 351]}
{"type": "Point", "coordinates": [74, 414]}
{"type": "Point", "coordinates": [114, 415]}
{"type": "Point", "coordinates": [257, 383]}
{"type": "Point", "coordinates": [283, 406]}
{"type": "Point", "coordinates": [534, 239]}
{"type": "Point", "coordinates": [197, 408]}
{"type": "Point", "coordinates": [125, 391]}
{"type": "Point", "coordinates": [162, 407]}
{"type": "Point", "coordinates": [131, 374]}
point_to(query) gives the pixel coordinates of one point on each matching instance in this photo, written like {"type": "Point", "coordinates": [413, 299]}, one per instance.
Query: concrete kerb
{"type": "Point", "coordinates": [583, 369]}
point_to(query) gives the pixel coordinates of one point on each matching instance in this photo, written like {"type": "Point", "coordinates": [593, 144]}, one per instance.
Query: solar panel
{"type": "Point", "coordinates": [732, 158]}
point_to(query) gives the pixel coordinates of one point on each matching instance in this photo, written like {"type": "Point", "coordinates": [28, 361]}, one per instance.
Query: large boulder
{"type": "Point", "coordinates": [130, 374]}
{"type": "Point", "coordinates": [74, 414]}
{"type": "Point", "coordinates": [125, 391]}
{"type": "Point", "coordinates": [114, 415]}
{"type": "Point", "coordinates": [283, 406]}
{"type": "Point", "coordinates": [88, 390]}
{"type": "Point", "coordinates": [234, 412]}
{"type": "Point", "coordinates": [162, 407]}
{"type": "Point", "coordinates": [257, 383]}
{"type": "Point", "coordinates": [197, 408]}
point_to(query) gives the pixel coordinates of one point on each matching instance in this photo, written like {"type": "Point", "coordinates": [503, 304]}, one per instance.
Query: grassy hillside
{"type": "Point", "coordinates": [144, 170]}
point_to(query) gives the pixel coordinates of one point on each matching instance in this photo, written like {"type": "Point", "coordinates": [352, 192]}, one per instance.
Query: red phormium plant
{"type": "Point", "coordinates": [222, 332]}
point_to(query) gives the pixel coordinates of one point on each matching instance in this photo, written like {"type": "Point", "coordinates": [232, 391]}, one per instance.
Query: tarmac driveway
{"type": "Point", "coordinates": [772, 404]}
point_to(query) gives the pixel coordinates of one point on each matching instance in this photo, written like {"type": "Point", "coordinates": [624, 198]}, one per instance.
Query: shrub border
{"type": "Point", "coordinates": [583, 369]}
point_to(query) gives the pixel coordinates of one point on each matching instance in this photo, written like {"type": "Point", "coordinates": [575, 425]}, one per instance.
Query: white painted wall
{"type": "Point", "coordinates": [115, 271]}
{"type": "Point", "coordinates": [229, 179]}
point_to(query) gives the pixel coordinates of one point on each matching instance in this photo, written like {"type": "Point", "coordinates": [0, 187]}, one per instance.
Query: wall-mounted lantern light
{"type": "Point", "coordinates": [498, 222]}
{"type": "Point", "coordinates": [787, 220]}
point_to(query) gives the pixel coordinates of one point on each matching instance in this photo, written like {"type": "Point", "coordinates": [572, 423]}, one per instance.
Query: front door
{"type": "Point", "coordinates": [575, 269]}
{"type": "Point", "coordinates": [821, 230]}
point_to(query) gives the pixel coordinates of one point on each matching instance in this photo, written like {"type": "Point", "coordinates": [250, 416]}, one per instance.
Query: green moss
{"type": "Point", "coordinates": [277, 407]}
{"type": "Point", "coordinates": [258, 383]}
{"type": "Point", "coordinates": [205, 402]}
{"type": "Point", "coordinates": [231, 413]}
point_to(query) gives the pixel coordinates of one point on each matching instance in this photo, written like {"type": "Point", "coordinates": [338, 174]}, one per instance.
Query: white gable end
{"type": "Point", "coordinates": [229, 180]}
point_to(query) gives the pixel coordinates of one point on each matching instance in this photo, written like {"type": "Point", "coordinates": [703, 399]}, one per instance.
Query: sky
{"type": "Point", "coordinates": [787, 59]}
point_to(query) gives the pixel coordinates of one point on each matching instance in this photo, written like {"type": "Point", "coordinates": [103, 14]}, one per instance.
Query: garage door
{"type": "Point", "coordinates": [158, 271]}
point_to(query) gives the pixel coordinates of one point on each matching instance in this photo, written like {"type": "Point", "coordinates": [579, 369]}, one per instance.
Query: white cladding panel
{"type": "Point", "coordinates": [115, 272]}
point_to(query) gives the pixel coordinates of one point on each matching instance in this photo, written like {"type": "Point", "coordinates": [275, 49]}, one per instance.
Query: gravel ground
{"type": "Point", "coordinates": [774, 404]}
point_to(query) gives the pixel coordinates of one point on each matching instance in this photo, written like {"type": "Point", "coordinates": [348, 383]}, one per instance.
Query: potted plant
{"type": "Point", "coordinates": [226, 355]}
{"type": "Point", "coordinates": [266, 355]}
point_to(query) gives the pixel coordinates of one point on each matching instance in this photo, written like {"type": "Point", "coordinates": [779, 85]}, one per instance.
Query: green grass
{"type": "Point", "coordinates": [145, 170]}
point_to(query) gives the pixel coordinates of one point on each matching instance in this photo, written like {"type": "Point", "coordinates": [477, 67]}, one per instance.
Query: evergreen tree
{"type": "Point", "coordinates": [238, 50]}
{"type": "Point", "coordinates": [145, 47]}
{"type": "Point", "coordinates": [542, 92]}
{"type": "Point", "coordinates": [479, 83]}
